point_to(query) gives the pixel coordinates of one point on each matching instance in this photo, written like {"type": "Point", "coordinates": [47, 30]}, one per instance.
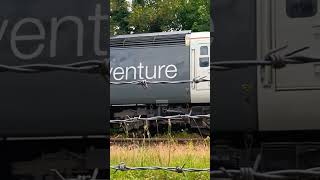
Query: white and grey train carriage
{"type": "Point", "coordinates": [166, 56]}
{"type": "Point", "coordinates": [266, 115]}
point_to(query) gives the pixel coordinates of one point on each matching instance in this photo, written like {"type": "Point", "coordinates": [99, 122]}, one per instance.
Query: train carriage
{"type": "Point", "coordinates": [167, 56]}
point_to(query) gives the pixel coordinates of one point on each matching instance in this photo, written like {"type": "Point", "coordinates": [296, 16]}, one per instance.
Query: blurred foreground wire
{"type": "Point", "coordinates": [243, 173]}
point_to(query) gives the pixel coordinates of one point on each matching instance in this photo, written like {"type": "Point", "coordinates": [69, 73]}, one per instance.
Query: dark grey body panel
{"type": "Point", "coordinates": [234, 93]}
{"type": "Point", "coordinates": [150, 56]}
{"type": "Point", "coordinates": [52, 103]}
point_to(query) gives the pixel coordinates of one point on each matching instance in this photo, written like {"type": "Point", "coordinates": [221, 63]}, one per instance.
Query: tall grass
{"type": "Point", "coordinates": [161, 154]}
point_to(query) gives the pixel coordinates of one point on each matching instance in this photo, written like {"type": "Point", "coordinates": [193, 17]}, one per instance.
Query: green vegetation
{"type": "Point", "coordinates": [116, 133]}
{"type": "Point", "coordinates": [145, 16]}
{"type": "Point", "coordinates": [164, 155]}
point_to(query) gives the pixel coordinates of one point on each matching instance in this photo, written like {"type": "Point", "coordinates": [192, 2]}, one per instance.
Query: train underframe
{"type": "Point", "coordinates": [199, 125]}
{"type": "Point", "coordinates": [54, 159]}
{"type": "Point", "coordinates": [266, 151]}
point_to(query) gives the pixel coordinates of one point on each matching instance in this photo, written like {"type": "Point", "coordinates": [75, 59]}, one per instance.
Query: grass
{"type": "Point", "coordinates": [183, 134]}
{"type": "Point", "coordinates": [162, 154]}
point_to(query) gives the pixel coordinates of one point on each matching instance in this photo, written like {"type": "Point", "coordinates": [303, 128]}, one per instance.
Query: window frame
{"type": "Point", "coordinates": [204, 56]}
{"type": "Point", "coordinates": [290, 13]}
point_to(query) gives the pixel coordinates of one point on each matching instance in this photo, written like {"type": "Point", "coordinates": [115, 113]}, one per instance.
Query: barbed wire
{"type": "Point", "coordinates": [251, 174]}
{"type": "Point", "coordinates": [276, 62]}
{"type": "Point", "coordinates": [91, 66]}
{"type": "Point", "coordinates": [179, 169]}
{"type": "Point", "coordinates": [79, 177]}
{"type": "Point", "coordinates": [95, 66]}
{"type": "Point", "coordinates": [243, 173]}
{"type": "Point", "coordinates": [144, 83]}
{"type": "Point", "coordinates": [174, 117]}
{"type": "Point", "coordinates": [271, 59]}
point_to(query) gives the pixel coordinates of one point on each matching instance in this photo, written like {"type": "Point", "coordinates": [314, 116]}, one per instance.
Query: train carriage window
{"type": "Point", "coordinates": [204, 62]}
{"type": "Point", "coordinates": [204, 56]}
{"type": "Point", "coordinates": [301, 8]}
{"type": "Point", "coordinates": [204, 50]}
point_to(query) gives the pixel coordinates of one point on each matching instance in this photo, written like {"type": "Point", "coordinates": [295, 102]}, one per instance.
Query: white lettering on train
{"type": "Point", "coordinates": [144, 72]}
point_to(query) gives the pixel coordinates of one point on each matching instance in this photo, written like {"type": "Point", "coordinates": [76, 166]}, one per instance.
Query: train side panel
{"type": "Point", "coordinates": [289, 98]}
{"type": "Point", "coordinates": [233, 95]}
{"type": "Point", "coordinates": [153, 63]}
{"type": "Point", "coordinates": [53, 103]}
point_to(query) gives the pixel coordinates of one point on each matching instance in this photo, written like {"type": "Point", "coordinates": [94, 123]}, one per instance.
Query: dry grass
{"type": "Point", "coordinates": [163, 154]}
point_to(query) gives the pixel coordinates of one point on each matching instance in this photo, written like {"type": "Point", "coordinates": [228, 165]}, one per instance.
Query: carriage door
{"type": "Point", "coordinates": [297, 24]}
{"type": "Point", "coordinates": [202, 65]}
{"type": "Point", "coordinates": [288, 95]}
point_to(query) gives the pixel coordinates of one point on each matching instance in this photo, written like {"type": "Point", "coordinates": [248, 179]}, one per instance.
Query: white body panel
{"type": "Point", "coordinates": [200, 66]}
{"type": "Point", "coordinates": [288, 98]}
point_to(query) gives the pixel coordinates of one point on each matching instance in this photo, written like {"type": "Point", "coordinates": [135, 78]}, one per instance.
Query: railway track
{"type": "Point", "coordinates": [157, 140]}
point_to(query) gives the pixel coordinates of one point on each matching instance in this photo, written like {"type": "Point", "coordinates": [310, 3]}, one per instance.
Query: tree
{"type": "Point", "coordinates": [159, 15]}
{"type": "Point", "coordinates": [138, 2]}
{"type": "Point", "coordinates": [119, 13]}
{"type": "Point", "coordinates": [194, 15]}
{"type": "Point", "coordinates": [154, 16]}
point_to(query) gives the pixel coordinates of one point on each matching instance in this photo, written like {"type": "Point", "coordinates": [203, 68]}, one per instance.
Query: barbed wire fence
{"type": "Point", "coordinates": [252, 174]}
{"type": "Point", "coordinates": [180, 117]}
{"type": "Point", "coordinates": [123, 167]}
{"type": "Point", "coordinates": [242, 173]}
{"type": "Point", "coordinates": [145, 84]}
{"type": "Point", "coordinates": [155, 118]}
{"type": "Point", "coordinates": [273, 58]}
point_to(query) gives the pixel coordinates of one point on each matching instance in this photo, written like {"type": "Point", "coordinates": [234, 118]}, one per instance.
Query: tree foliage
{"type": "Point", "coordinates": [144, 16]}
{"type": "Point", "coordinates": [119, 17]}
